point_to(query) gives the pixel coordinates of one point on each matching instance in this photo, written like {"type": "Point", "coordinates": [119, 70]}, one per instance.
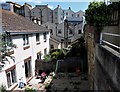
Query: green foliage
{"type": "Point", "coordinates": [96, 14]}
{"type": "Point", "coordinates": [3, 88]}
{"type": "Point", "coordinates": [78, 49]}
{"type": "Point", "coordinates": [99, 14]}
{"type": "Point", "coordinates": [57, 54]}
{"type": "Point", "coordinates": [5, 47]}
{"type": "Point", "coordinates": [47, 57]}
{"type": "Point", "coordinates": [28, 89]}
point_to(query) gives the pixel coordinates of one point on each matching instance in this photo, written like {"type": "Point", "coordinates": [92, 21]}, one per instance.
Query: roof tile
{"type": "Point", "coordinates": [13, 22]}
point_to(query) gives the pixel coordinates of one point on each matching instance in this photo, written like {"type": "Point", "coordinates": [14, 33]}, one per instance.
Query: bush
{"type": "Point", "coordinates": [2, 88]}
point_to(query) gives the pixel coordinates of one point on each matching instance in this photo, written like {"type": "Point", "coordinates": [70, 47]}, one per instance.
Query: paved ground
{"type": "Point", "coordinates": [69, 82]}
{"type": "Point", "coordinates": [36, 84]}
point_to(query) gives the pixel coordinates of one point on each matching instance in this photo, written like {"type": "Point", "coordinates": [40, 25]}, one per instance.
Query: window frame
{"type": "Point", "coordinates": [37, 37]}
{"type": "Point", "coordinates": [45, 36]}
{"type": "Point", "coordinates": [39, 56]}
{"type": "Point", "coordinates": [25, 39]}
{"type": "Point", "coordinates": [45, 51]}
{"type": "Point", "coordinates": [12, 79]}
{"type": "Point", "coordinates": [59, 31]}
{"type": "Point", "coordinates": [79, 31]}
{"type": "Point", "coordinates": [70, 31]}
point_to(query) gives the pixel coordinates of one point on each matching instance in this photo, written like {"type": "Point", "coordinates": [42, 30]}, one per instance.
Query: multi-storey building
{"type": "Point", "coordinates": [32, 42]}
{"type": "Point", "coordinates": [55, 21]}
{"type": "Point", "coordinates": [68, 13]}
{"type": "Point", "coordinates": [41, 14]}
{"type": "Point", "coordinates": [79, 14]}
{"type": "Point", "coordinates": [58, 16]}
{"type": "Point", "coordinates": [24, 10]}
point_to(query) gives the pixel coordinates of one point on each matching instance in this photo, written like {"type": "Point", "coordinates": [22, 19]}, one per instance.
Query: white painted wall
{"type": "Point", "coordinates": [3, 79]}
{"type": "Point", "coordinates": [20, 54]}
{"type": "Point", "coordinates": [80, 13]}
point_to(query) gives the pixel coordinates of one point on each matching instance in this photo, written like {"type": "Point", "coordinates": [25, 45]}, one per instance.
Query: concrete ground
{"type": "Point", "coordinates": [69, 82]}
{"type": "Point", "coordinates": [36, 84]}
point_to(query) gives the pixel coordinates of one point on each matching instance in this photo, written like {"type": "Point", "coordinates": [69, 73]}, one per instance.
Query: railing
{"type": "Point", "coordinates": [102, 41]}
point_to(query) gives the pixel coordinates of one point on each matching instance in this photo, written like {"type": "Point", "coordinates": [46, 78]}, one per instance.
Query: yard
{"type": "Point", "coordinates": [69, 82]}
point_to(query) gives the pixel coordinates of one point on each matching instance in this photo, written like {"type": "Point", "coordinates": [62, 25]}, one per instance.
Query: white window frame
{"type": "Point", "coordinates": [25, 39]}
{"type": "Point", "coordinates": [11, 83]}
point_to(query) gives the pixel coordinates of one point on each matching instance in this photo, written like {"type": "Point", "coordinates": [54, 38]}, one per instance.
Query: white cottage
{"type": "Point", "coordinates": [32, 42]}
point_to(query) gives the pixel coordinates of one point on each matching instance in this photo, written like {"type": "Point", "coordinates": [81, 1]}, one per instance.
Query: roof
{"type": "Point", "coordinates": [12, 22]}
{"type": "Point", "coordinates": [74, 19]}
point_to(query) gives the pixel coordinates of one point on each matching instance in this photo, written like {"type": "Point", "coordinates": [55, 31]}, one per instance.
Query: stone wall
{"type": "Point", "coordinates": [92, 38]}
{"type": "Point", "coordinates": [90, 46]}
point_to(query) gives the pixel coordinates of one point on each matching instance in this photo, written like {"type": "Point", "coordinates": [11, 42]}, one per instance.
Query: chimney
{"type": "Point", "coordinates": [69, 8]}
{"type": "Point", "coordinates": [58, 6]}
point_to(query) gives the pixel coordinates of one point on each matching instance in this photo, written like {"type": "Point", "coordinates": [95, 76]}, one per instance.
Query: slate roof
{"type": "Point", "coordinates": [12, 22]}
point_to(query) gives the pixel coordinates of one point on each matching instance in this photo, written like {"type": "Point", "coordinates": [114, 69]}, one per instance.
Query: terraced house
{"type": "Point", "coordinates": [32, 42]}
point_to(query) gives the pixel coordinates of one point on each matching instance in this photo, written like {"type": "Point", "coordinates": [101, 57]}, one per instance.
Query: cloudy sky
{"type": "Point", "coordinates": [75, 5]}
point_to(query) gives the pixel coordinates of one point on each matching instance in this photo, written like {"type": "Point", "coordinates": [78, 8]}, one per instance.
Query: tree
{"type": "Point", "coordinates": [96, 14]}
{"type": "Point", "coordinates": [78, 48]}
{"type": "Point", "coordinates": [5, 46]}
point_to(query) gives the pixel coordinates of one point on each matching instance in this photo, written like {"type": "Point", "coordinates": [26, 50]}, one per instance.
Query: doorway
{"type": "Point", "coordinates": [28, 69]}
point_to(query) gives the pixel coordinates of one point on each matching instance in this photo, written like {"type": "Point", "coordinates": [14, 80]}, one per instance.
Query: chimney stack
{"type": "Point", "coordinates": [69, 8]}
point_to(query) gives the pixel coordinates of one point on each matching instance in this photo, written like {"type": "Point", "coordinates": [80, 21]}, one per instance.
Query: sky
{"type": "Point", "coordinates": [75, 5]}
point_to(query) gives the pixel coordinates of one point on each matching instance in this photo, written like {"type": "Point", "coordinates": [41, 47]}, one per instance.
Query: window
{"type": "Point", "coordinates": [46, 27]}
{"type": "Point", "coordinates": [45, 51]}
{"type": "Point", "coordinates": [51, 46]}
{"type": "Point", "coordinates": [44, 36]}
{"type": "Point", "coordinates": [55, 13]}
{"type": "Point", "coordinates": [11, 77]}
{"type": "Point", "coordinates": [37, 37]}
{"type": "Point", "coordinates": [39, 56]}
{"type": "Point", "coordinates": [72, 15]}
{"type": "Point", "coordinates": [35, 21]}
{"type": "Point", "coordinates": [51, 13]}
{"type": "Point", "coordinates": [51, 31]}
{"type": "Point", "coordinates": [55, 17]}
{"type": "Point", "coordinates": [7, 38]}
{"type": "Point", "coordinates": [79, 31]}
{"type": "Point", "coordinates": [59, 31]}
{"type": "Point", "coordinates": [25, 39]}
{"type": "Point", "coordinates": [78, 15]}
{"type": "Point", "coordinates": [28, 69]}
{"type": "Point", "coordinates": [70, 31]}
{"type": "Point", "coordinates": [66, 13]}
